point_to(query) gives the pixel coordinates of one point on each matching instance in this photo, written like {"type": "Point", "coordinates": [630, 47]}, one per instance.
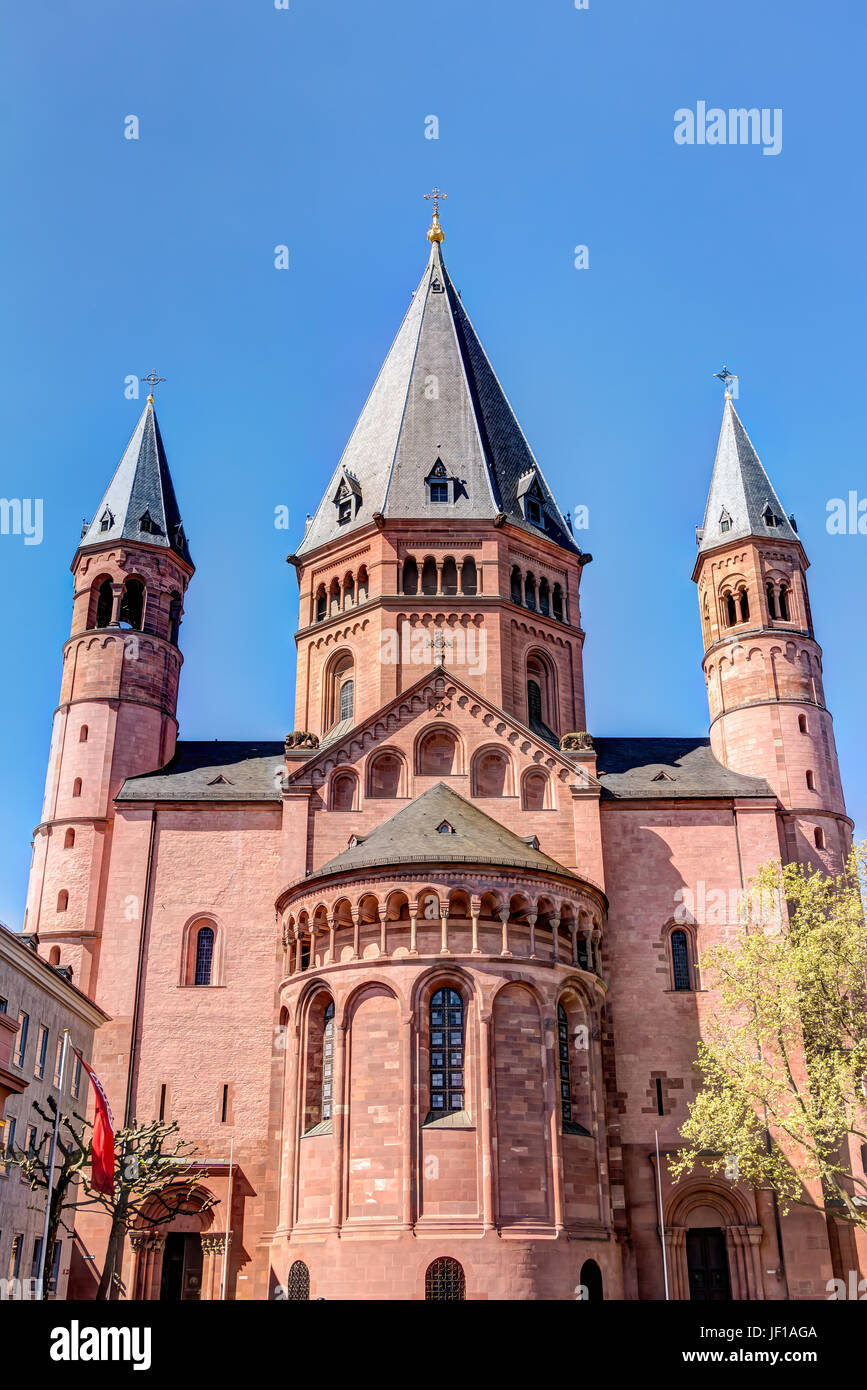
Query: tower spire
{"type": "Point", "coordinates": [742, 500]}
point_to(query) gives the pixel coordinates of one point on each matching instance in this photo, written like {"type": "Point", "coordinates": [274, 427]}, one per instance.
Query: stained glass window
{"type": "Point", "coordinates": [204, 955]}
{"type": "Point", "coordinates": [680, 960]}
{"type": "Point", "coordinates": [444, 1281]}
{"type": "Point", "coordinates": [327, 1062]}
{"type": "Point", "coordinates": [563, 1055]}
{"type": "Point", "coordinates": [446, 1051]}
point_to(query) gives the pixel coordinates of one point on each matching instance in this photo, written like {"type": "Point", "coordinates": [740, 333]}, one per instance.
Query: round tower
{"type": "Point", "coordinates": [762, 663]}
{"type": "Point", "coordinates": [119, 688]}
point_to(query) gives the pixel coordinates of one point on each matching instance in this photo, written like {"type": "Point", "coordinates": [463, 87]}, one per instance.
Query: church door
{"type": "Point", "coordinates": [708, 1265]}
{"type": "Point", "coordinates": [182, 1268]}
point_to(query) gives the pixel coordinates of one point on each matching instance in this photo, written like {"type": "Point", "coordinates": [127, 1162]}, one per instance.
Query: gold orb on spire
{"type": "Point", "coordinates": [435, 231]}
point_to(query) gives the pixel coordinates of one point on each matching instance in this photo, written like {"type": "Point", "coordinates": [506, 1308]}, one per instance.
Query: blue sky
{"type": "Point", "coordinates": [306, 127]}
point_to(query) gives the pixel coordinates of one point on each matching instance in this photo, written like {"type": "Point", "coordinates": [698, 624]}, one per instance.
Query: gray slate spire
{"type": "Point", "coordinates": [140, 502]}
{"type": "Point", "coordinates": [740, 492]}
{"type": "Point", "coordinates": [436, 404]}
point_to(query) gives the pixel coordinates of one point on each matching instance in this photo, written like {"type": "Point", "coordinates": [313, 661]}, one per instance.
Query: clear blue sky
{"type": "Point", "coordinates": [260, 127]}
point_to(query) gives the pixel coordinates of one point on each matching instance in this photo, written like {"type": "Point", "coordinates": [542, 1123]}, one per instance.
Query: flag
{"type": "Point", "coordinates": [102, 1147]}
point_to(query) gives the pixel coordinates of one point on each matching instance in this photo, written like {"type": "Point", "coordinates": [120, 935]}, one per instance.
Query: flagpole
{"type": "Point", "coordinates": [40, 1275]}
{"type": "Point", "coordinates": [661, 1218]}
{"type": "Point", "coordinates": [228, 1221]}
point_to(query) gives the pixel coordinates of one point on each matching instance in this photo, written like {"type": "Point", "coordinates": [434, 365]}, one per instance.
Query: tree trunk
{"type": "Point", "coordinates": [108, 1285]}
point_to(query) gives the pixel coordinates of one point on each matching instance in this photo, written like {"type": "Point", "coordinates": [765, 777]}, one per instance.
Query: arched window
{"type": "Point", "coordinates": [348, 591]}
{"type": "Point", "coordinates": [784, 603]}
{"type": "Point", "coordinates": [491, 774]}
{"type": "Point", "coordinates": [69, 838]}
{"type": "Point", "coordinates": [819, 838]}
{"type": "Point", "coordinates": [321, 604]}
{"type": "Point", "coordinates": [328, 1061]}
{"type": "Point", "coordinates": [530, 592]}
{"type": "Point", "coordinates": [429, 576]}
{"type": "Point", "coordinates": [347, 699]}
{"type": "Point", "coordinates": [62, 900]}
{"type": "Point", "coordinates": [450, 575]}
{"type": "Point", "coordinates": [204, 955]}
{"type": "Point", "coordinates": [731, 611]}
{"type": "Point", "coordinates": [82, 734]}
{"type": "Point", "coordinates": [438, 754]}
{"type": "Point", "coordinates": [745, 606]}
{"type": "Point", "coordinates": [104, 604]}
{"type": "Point", "coordinates": [444, 1282]}
{"type": "Point", "coordinates": [680, 972]}
{"type": "Point", "coordinates": [811, 781]}
{"type": "Point", "coordinates": [446, 1052]}
{"type": "Point", "coordinates": [802, 723]}
{"type": "Point", "coordinates": [334, 596]}
{"type": "Point", "coordinates": [544, 598]}
{"type": "Point", "coordinates": [516, 586]}
{"type": "Point", "coordinates": [174, 616]}
{"type": "Point", "coordinates": [385, 775]}
{"type": "Point", "coordinates": [534, 701]}
{"type": "Point", "coordinates": [535, 790]}
{"type": "Point", "coordinates": [410, 575]}
{"type": "Point", "coordinates": [54, 956]}
{"type": "Point", "coordinates": [343, 792]}
{"type": "Point", "coordinates": [469, 578]}
{"type": "Point", "coordinates": [563, 1054]}
{"type": "Point", "coordinates": [363, 585]}
{"type": "Point", "coordinates": [772, 599]}
{"type": "Point", "coordinates": [298, 1283]}
{"type": "Point", "coordinates": [557, 603]}
{"type": "Point", "coordinates": [132, 604]}
{"type": "Point", "coordinates": [76, 787]}
{"type": "Point", "coordinates": [590, 1280]}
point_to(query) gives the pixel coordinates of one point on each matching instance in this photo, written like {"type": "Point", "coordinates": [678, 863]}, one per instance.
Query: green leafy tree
{"type": "Point", "coordinates": [783, 1062]}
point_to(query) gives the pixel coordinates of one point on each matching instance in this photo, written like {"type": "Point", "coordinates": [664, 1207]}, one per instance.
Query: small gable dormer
{"type": "Point", "coordinates": [106, 521]}
{"type": "Point", "coordinates": [147, 525]}
{"type": "Point", "coordinates": [769, 516]}
{"type": "Point", "coordinates": [531, 498]}
{"type": "Point", "coordinates": [440, 487]}
{"type": "Point", "coordinates": [725, 521]}
{"type": "Point", "coordinates": [445, 828]}
{"type": "Point", "coordinates": [347, 497]}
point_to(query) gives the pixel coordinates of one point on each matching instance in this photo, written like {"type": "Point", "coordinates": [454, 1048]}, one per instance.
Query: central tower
{"type": "Point", "coordinates": [438, 540]}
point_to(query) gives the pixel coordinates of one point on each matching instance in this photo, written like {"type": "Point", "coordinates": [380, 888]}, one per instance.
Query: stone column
{"type": "Point", "coordinates": [475, 910]}
{"type": "Point", "coordinates": [356, 924]}
{"type": "Point", "coordinates": [312, 964]}
{"type": "Point", "coordinates": [116, 597]}
{"type": "Point", "coordinates": [554, 923]}
{"type": "Point", "coordinates": [596, 957]}
{"type": "Point", "coordinates": [138, 1245]}
{"type": "Point", "coordinates": [383, 932]}
{"type": "Point", "coordinates": [212, 1248]}
{"type": "Point", "coordinates": [503, 915]}
{"type": "Point", "coordinates": [439, 565]}
{"type": "Point", "coordinates": [413, 914]}
{"type": "Point", "coordinates": [574, 942]}
{"type": "Point", "coordinates": [330, 940]}
{"type": "Point", "coordinates": [297, 951]}
{"type": "Point", "coordinates": [444, 927]}
{"type": "Point", "coordinates": [531, 921]}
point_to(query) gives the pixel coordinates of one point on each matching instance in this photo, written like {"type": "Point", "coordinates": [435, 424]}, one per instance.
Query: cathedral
{"type": "Point", "coordinates": [423, 981]}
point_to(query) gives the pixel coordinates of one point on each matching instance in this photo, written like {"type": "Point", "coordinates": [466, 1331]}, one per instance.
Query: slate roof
{"type": "Point", "coordinates": [628, 769]}
{"type": "Point", "coordinates": [141, 484]}
{"type": "Point", "coordinates": [248, 769]}
{"type": "Point", "coordinates": [436, 397]}
{"type": "Point", "coordinates": [411, 836]}
{"type": "Point", "coordinates": [741, 488]}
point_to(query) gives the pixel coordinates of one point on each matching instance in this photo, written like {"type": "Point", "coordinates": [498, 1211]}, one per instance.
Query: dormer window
{"type": "Point", "coordinates": [344, 509]}
{"type": "Point", "coordinates": [444, 828]}
{"type": "Point", "coordinates": [725, 521]}
{"type": "Point", "coordinates": [769, 518]}
{"type": "Point", "coordinates": [347, 498]}
{"type": "Point", "coordinates": [440, 487]}
{"type": "Point", "coordinates": [148, 525]}
{"type": "Point", "coordinates": [532, 498]}
{"type": "Point", "coordinates": [106, 521]}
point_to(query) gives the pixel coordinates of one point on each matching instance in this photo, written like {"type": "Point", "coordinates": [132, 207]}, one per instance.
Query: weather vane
{"type": "Point", "coordinates": [725, 376]}
{"type": "Point", "coordinates": [153, 380]}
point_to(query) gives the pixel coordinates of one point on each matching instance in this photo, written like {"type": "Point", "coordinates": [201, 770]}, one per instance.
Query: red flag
{"type": "Point", "coordinates": [102, 1147]}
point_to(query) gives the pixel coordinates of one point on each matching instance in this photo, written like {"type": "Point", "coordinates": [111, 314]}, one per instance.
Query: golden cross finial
{"type": "Point", "coordinates": [435, 231]}
{"type": "Point", "coordinates": [153, 380]}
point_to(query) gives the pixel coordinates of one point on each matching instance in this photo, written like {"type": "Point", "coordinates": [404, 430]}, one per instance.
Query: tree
{"type": "Point", "coordinates": [154, 1181]}
{"type": "Point", "coordinates": [783, 1063]}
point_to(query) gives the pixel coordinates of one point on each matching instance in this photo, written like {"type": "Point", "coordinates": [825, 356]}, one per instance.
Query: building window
{"type": "Point", "coordinates": [69, 838]}
{"type": "Point", "coordinates": [819, 838]}
{"type": "Point", "coordinates": [811, 781]}
{"type": "Point", "coordinates": [41, 1052]}
{"type": "Point", "coordinates": [175, 606]}
{"type": "Point", "coordinates": [557, 603]}
{"type": "Point", "coordinates": [321, 604]}
{"type": "Point", "coordinates": [725, 524]}
{"type": "Point", "coordinates": [347, 699]}
{"type": "Point", "coordinates": [4, 1004]}
{"type": "Point", "coordinates": [516, 586]}
{"type": "Point", "coordinates": [469, 577]}
{"type": "Point", "coordinates": [9, 1144]}
{"type": "Point", "coordinates": [680, 960]}
{"type": "Point", "coordinates": [30, 1142]}
{"type": "Point", "coordinates": [57, 1056]}
{"type": "Point", "coordinates": [409, 582]}
{"type": "Point", "coordinates": [534, 701]}
{"type": "Point", "coordinates": [21, 1039]}
{"type": "Point", "coordinates": [62, 900]}
{"type": "Point", "coordinates": [204, 955]}
{"type": "Point", "coordinates": [104, 604]}
{"type": "Point", "coordinates": [446, 1052]}
{"type": "Point", "coordinates": [132, 605]}
{"type": "Point", "coordinates": [328, 1062]}
{"type": "Point", "coordinates": [563, 1052]}
{"type": "Point", "coordinates": [444, 1282]}
{"type": "Point", "coordinates": [544, 598]}
{"type": "Point", "coordinates": [76, 787]}
{"type": "Point", "coordinates": [82, 734]}
{"type": "Point", "coordinates": [772, 599]}
{"type": "Point", "coordinates": [784, 603]}
{"type": "Point", "coordinates": [534, 511]}
{"type": "Point", "coordinates": [770, 518]}
{"type": "Point", "coordinates": [298, 1283]}
{"type": "Point", "coordinates": [802, 723]}
{"type": "Point", "coordinates": [731, 611]}
{"type": "Point", "coordinates": [745, 606]}
{"type": "Point", "coordinates": [75, 1087]}
{"type": "Point", "coordinates": [439, 492]}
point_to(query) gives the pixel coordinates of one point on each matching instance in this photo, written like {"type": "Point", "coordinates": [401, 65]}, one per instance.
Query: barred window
{"type": "Point", "coordinates": [563, 1051]}
{"type": "Point", "coordinates": [446, 1052]}
{"type": "Point", "coordinates": [298, 1283]}
{"type": "Point", "coordinates": [680, 960]}
{"type": "Point", "coordinates": [444, 1281]}
{"type": "Point", "coordinates": [204, 955]}
{"type": "Point", "coordinates": [327, 1062]}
